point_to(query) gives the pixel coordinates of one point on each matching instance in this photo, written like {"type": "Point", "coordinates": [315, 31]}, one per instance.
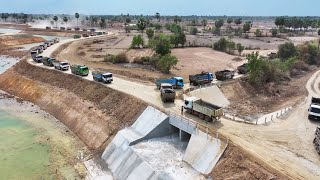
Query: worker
{"type": "Point", "coordinates": [181, 110]}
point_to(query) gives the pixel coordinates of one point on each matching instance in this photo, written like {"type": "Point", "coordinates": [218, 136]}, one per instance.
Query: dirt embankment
{"type": "Point", "coordinates": [19, 39]}
{"type": "Point", "coordinates": [235, 163]}
{"type": "Point", "coordinates": [92, 111]}
{"type": "Point", "coordinates": [51, 32]}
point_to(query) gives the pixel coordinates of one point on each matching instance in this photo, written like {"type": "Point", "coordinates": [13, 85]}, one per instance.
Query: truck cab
{"type": "Point", "coordinates": [179, 81]}
{"type": "Point", "coordinates": [107, 77]}
{"type": "Point", "coordinates": [314, 109]}
{"type": "Point", "coordinates": [34, 54]}
{"type": "Point", "coordinates": [188, 102]}
{"type": "Point", "coordinates": [38, 59]}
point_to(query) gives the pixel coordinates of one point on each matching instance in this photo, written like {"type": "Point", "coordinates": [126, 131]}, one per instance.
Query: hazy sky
{"type": "Point", "coordinates": [166, 7]}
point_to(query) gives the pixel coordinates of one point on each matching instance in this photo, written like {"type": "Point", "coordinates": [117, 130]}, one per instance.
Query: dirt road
{"type": "Point", "coordinates": [285, 145]}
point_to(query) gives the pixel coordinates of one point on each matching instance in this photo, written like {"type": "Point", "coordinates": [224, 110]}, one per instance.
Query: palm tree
{"type": "Point", "coordinates": [65, 19]}
{"type": "Point", "coordinates": [158, 16]}
{"type": "Point", "coordinates": [77, 16]}
{"type": "Point", "coordinates": [55, 18]}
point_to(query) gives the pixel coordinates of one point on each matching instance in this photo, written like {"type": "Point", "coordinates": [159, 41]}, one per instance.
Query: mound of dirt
{"type": "Point", "coordinates": [92, 111]}
{"type": "Point", "coordinates": [18, 39]}
{"type": "Point", "coordinates": [237, 164]}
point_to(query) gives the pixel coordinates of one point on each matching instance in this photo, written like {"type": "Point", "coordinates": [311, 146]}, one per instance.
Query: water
{"type": "Point", "coordinates": [6, 30]}
{"type": "Point", "coordinates": [22, 155]}
{"type": "Point", "coordinates": [165, 155]}
{"type": "Point", "coordinates": [6, 62]}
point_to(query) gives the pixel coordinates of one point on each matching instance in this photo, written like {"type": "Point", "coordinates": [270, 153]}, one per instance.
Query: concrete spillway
{"type": "Point", "coordinates": [157, 146]}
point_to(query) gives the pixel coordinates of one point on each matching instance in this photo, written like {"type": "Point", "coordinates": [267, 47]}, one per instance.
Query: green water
{"type": "Point", "coordinates": [22, 156]}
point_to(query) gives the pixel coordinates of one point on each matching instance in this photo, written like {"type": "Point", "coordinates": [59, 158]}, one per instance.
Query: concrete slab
{"type": "Point", "coordinates": [211, 94]}
{"type": "Point", "coordinates": [203, 152]}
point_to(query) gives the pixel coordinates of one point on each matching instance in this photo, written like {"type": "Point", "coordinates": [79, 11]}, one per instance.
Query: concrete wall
{"type": "Point", "coordinates": [203, 152]}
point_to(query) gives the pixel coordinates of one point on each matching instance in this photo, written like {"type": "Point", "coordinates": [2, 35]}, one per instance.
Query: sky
{"type": "Point", "coordinates": [165, 7]}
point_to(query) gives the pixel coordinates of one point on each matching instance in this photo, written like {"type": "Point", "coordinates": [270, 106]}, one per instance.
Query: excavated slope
{"type": "Point", "coordinates": [92, 111]}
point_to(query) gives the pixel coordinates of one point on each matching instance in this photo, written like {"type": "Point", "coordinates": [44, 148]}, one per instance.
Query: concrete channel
{"type": "Point", "coordinates": [128, 156]}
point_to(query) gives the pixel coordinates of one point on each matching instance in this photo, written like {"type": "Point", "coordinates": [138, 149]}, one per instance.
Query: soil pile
{"type": "Point", "coordinates": [92, 111]}
{"type": "Point", "coordinates": [18, 39]}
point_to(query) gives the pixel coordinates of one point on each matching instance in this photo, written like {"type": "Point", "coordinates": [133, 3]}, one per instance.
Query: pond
{"type": "Point", "coordinates": [7, 30]}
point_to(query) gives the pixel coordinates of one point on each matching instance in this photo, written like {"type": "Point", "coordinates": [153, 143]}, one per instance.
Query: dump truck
{"type": "Point", "coordinates": [48, 43]}
{"type": "Point", "coordinates": [43, 46]}
{"type": "Point", "coordinates": [61, 65]}
{"type": "Point", "coordinates": [176, 82]}
{"type": "Point", "coordinates": [316, 140]}
{"type": "Point", "coordinates": [202, 109]}
{"type": "Point", "coordinates": [48, 61]}
{"type": "Point", "coordinates": [81, 70]}
{"type": "Point", "coordinates": [56, 40]}
{"type": "Point", "coordinates": [76, 36]}
{"type": "Point", "coordinates": [200, 79]}
{"type": "Point", "coordinates": [38, 59]}
{"type": "Point", "coordinates": [314, 109]}
{"type": "Point", "coordinates": [34, 54]}
{"type": "Point", "coordinates": [167, 93]}
{"type": "Point", "coordinates": [224, 75]}
{"type": "Point", "coordinates": [102, 77]}
{"type": "Point", "coordinates": [40, 49]}
{"type": "Point", "coordinates": [243, 69]}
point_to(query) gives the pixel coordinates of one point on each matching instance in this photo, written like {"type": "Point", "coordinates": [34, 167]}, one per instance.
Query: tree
{"type": "Point", "coordinates": [142, 24]}
{"type": "Point", "coordinates": [238, 21]}
{"type": "Point", "coordinates": [194, 22]}
{"type": "Point", "coordinates": [55, 18]}
{"type": "Point", "coordinates": [65, 19]}
{"type": "Point", "coordinates": [77, 15]}
{"type": "Point", "coordinates": [157, 26]}
{"type": "Point", "coordinates": [166, 62]}
{"type": "Point", "coordinates": [274, 32]}
{"type": "Point", "coordinates": [193, 31]}
{"type": "Point", "coordinates": [221, 45]}
{"type": "Point", "coordinates": [204, 23]}
{"type": "Point", "coordinates": [128, 20]}
{"type": "Point", "coordinates": [177, 19]}
{"type": "Point", "coordinates": [246, 26]}
{"type": "Point", "coordinates": [178, 38]}
{"type": "Point", "coordinates": [279, 21]}
{"type": "Point", "coordinates": [4, 16]}
{"type": "Point", "coordinates": [287, 50]}
{"type": "Point", "coordinates": [161, 44]}
{"type": "Point", "coordinates": [229, 20]}
{"type": "Point", "coordinates": [103, 23]}
{"type": "Point", "coordinates": [150, 33]}
{"type": "Point", "coordinates": [240, 48]}
{"type": "Point", "coordinates": [231, 46]}
{"type": "Point", "coordinates": [137, 41]}
{"type": "Point", "coordinates": [258, 33]}
{"type": "Point", "coordinates": [219, 23]}
{"type": "Point", "coordinates": [158, 16]}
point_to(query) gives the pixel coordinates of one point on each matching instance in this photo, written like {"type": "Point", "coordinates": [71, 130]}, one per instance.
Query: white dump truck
{"type": "Point", "coordinates": [314, 109]}
{"type": "Point", "coordinates": [61, 65]}
{"type": "Point", "coordinates": [202, 109]}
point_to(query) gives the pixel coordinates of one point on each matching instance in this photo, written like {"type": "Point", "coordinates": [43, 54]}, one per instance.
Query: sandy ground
{"type": "Point", "coordinates": [64, 145]}
{"type": "Point", "coordinates": [196, 60]}
{"type": "Point", "coordinates": [274, 145]}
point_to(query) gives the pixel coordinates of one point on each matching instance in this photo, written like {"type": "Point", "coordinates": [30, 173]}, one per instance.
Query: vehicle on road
{"type": "Point", "coordinates": [34, 54]}
{"type": "Point", "coordinates": [77, 36]}
{"type": "Point", "coordinates": [40, 49]}
{"type": "Point", "coordinates": [56, 40]}
{"type": "Point", "coordinates": [61, 65]}
{"type": "Point", "coordinates": [224, 75]}
{"type": "Point", "coordinates": [243, 69]}
{"type": "Point", "coordinates": [48, 43]}
{"type": "Point", "coordinates": [167, 93]}
{"type": "Point", "coordinates": [43, 46]}
{"type": "Point", "coordinates": [102, 77]}
{"type": "Point", "coordinates": [48, 27]}
{"type": "Point", "coordinates": [176, 82]}
{"type": "Point", "coordinates": [314, 109]}
{"type": "Point", "coordinates": [200, 79]}
{"type": "Point", "coordinates": [202, 109]}
{"type": "Point", "coordinates": [48, 61]}
{"type": "Point", "coordinates": [85, 35]}
{"type": "Point", "coordinates": [38, 59]}
{"type": "Point", "coordinates": [77, 29]}
{"type": "Point", "coordinates": [81, 70]}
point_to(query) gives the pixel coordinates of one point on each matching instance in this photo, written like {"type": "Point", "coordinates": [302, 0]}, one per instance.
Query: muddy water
{"type": "Point", "coordinates": [22, 156]}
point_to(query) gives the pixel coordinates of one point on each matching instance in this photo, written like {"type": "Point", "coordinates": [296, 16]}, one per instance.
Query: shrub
{"type": "Point", "coordinates": [161, 44]}
{"type": "Point", "coordinates": [137, 41]}
{"type": "Point", "coordinates": [274, 32]}
{"type": "Point", "coordinates": [258, 33]}
{"type": "Point", "coordinates": [166, 62]}
{"type": "Point", "coordinates": [143, 60]}
{"type": "Point", "coordinates": [150, 33]}
{"type": "Point", "coordinates": [193, 31]}
{"type": "Point", "coordinates": [309, 53]}
{"type": "Point", "coordinates": [216, 31]}
{"type": "Point", "coordinates": [115, 59]}
{"type": "Point", "coordinates": [287, 50]}
{"type": "Point", "coordinates": [221, 45]}
{"type": "Point", "coordinates": [178, 38]}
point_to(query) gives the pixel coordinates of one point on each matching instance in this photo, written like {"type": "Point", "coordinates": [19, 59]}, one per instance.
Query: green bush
{"type": "Point", "coordinates": [287, 50]}
{"type": "Point", "coordinates": [116, 59]}
{"type": "Point", "coordinates": [193, 31]}
{"type": "Point", "coordinates": [150, 33]}
{"type": "Point", "coordinates": [161, 44]}
{"type": "Point", "coordinates": [309, 53]}
{"type": "Point", "coordinates": [258, 33]}
{"type": "Point", "coordinates": [137, 41]}
{"type": "Point", "coordinates": [221, 45]}
{"type": "Point", "coordinates": [274, 32]}
{"type": "Point", "coordinates": [166, 62]}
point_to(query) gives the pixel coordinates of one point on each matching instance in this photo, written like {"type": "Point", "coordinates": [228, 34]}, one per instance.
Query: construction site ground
{"type": "Point", "coordinates": [283, 146]}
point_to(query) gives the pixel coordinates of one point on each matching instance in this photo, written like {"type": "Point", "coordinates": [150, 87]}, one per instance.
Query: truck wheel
{"type": "Point", "coordinates": [201, 116]}
{"type": "Point", "coordinates": [189, 111]}
{"type": "Point", "coordinates": [208, 119]}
